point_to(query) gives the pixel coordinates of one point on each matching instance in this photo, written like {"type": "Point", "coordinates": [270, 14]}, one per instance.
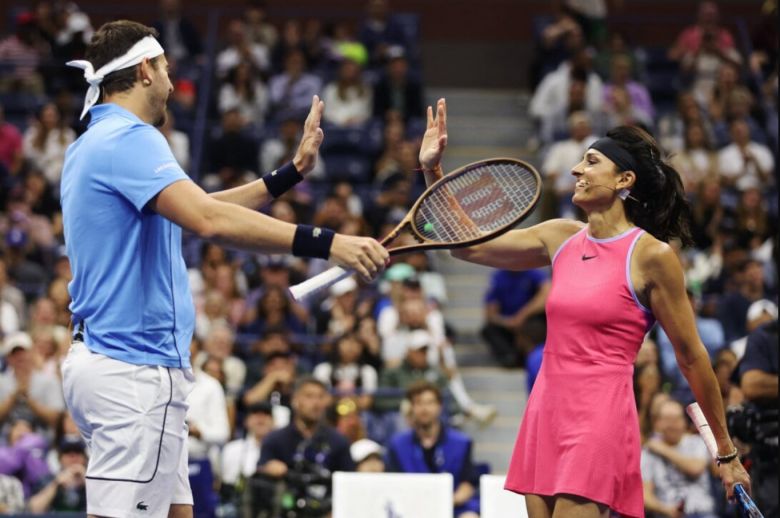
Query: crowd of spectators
{"type": "Point", "coordinates": [710, 98]}
{"type": "Point", "coordinates": [383, 371]}
{"type": "Point", "coordinates": [252, 344]}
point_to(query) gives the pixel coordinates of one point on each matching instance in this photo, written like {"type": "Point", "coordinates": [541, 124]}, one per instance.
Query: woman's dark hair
{"type": "Point", "coordinates": [335, 358]}
{"type": "Point", "coordinates": [270, 290]}
{"type": "Point", "coordinates": [662, 208]}
{"type": "Point", "coordinates": [232, 78]}
{"type": "Point", "coordinates": [42, 133]}
{"type": "Point", "coordinates": [112, 40]}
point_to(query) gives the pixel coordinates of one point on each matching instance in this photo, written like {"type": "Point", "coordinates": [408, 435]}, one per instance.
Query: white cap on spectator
{"type": "Point", "coordinates": [363, 449]}
{"type": "Point", "coordinates": [760, 307]}
{"type": "Point", "coordinates": [19, 339]}
{"type": "Point", "coordinates": [395, 52]}
{"type": "Point", "coordinates": [745, 183]}
{"type": "Point", "coordinates": [343, 286]}
{"type": "Point", "coordinates": [418, 339]}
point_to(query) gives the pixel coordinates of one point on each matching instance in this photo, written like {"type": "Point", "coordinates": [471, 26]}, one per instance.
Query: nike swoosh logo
{"type": "Point", "coordinates": [588, 257]}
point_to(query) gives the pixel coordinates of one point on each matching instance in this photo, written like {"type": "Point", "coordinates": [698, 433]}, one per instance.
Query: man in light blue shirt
{"type": "Point", "coordinates": [125, 201]}
{"type": "Point", "coordinates": [130, 289]}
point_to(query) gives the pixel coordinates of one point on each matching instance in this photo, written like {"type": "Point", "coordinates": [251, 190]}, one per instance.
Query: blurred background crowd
{"type": "Point", "coordinates": [242, 89]}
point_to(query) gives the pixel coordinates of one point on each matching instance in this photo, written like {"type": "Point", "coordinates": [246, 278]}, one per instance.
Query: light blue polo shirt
{"type": "Point", "coordinates": [130, 285]}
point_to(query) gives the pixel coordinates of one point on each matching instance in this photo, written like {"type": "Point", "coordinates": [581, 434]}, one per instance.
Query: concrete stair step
{"type": "Point", "coordinates": [474, 130]}
{"type": "Point", "coordinates": [481, 124]}
{"type": "Point", "coordinates": [505, 389]}
{"type": "Point", "coordinates": [467, 101]}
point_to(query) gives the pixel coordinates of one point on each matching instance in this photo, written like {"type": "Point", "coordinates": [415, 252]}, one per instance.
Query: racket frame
{"type": "Point", "coordinates": [425, 244]}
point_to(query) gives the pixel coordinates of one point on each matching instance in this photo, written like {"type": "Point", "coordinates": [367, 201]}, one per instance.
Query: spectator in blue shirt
{"type": "Point", "coordinates": [712, 336]}
{"type": "Point", "coordinates": [433, 447]}
{"type": "Point", "coordinates": [757, 374]}
{"type": "Point", "coordinates": [514, 314]}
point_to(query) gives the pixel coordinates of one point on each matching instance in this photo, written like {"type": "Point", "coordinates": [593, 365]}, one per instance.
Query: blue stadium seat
{"type": "Point", "coordinates": [374, 136]}
{"type": "Point", "coordinates": [21, 103]}
{"type": "Point", "coordinates": [342, 140]}
{"type": "Point", "coordinates": [661, 77]}
{"type": "Point", "coordinates": [482, 468]}
{"type": "Point", "coordinates": [347, 166]}
{"type": "Point", "coordinates": [415, 127]}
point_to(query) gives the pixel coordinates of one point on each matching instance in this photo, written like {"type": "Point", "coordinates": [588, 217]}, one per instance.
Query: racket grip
{"type": "Point", "coordinates": [697, 416]}
{"type": "Point", "coordinates": [319, 282]}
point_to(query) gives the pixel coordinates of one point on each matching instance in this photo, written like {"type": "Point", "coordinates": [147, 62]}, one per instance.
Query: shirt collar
{"type": "Point", "coordinates": [103, 110]}
{"type": "Point", "coordinates": [439, 438]}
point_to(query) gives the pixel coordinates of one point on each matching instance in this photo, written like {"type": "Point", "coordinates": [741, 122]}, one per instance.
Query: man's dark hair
{"type": "Point", "coordinates": [112, 40]}
{"type": "Point", "coordinates": [308, 380]}
{"type": "Point", "coordinates": [420, 387]}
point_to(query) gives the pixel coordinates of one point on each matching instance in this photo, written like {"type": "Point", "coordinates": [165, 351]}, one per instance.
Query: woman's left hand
{"type": "Point", "coordinates": [435, 138]}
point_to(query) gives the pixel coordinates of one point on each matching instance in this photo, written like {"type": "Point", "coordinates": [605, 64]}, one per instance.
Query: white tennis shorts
{"type": "Point", "coordinates": [132, 417]}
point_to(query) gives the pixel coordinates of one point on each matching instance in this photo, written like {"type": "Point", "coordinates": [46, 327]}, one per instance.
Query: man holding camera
{"type": "Point", "coordinates": [67, 490]}
{"type": "Point", "coordinates": [306, 452]}
{"type": "Point", "coordinates": [756, 423]}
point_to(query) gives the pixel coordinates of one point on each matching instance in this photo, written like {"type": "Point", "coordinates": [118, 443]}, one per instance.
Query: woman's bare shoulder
{"type": "Point", "coordinates": [558, 229]}
{"type": "Point", "coordinates": [655, 256]}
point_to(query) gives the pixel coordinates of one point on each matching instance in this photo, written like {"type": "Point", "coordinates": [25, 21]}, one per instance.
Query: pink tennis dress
{"type": "Point", "coordinates": [580, 431]}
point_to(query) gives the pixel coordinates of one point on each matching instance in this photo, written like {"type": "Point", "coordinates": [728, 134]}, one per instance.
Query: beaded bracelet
{"type": "Point", "coordinates": [725, 459]}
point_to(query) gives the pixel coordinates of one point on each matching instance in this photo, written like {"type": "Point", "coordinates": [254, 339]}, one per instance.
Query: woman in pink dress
{"type": "Point", "coordinates": [578, 449]}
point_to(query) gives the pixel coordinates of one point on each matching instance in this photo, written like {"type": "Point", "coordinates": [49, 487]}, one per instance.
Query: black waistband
{"type": "Point", "coordinates": [78, 336]}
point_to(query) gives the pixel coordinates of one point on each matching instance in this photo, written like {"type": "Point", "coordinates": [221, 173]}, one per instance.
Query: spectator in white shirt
{"type": "Point", "coordinates": [348, 99]}
{"type": "Point", "coordinates": [744, 163]}
{"type": "Point", "coordinates": [239, 458]}
{"type": "Point", "coordinates": [209, 429]}
{"type": "Point", "coordinates": [177, 140]}
{"type": "Point", "coordinates": [560, 157]}
{"type": "Point", "coordinates": [244, 90]}
{"type": "Point", "coordinates": [219, 345]}
{"type": "Point", "coordinates": [240, 48]}
{"type": "Point", "coordinates": [292, 90]}
{"type": "Point", "coordinates": [207, 416]}
{"type": "Point", "coordinates": [675, 467]}
{"type": "Point", "coordinates": [46, 141]}
{"type": "Point", "coordinates": [551, 97]}
{"type": "Point", "coordinates": [348, 374]}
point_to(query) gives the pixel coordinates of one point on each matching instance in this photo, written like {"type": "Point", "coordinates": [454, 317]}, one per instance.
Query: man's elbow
{"type": "Point", "coordinates": [206, 230]}
{"type": "Point", "coordinates": [206, 226]}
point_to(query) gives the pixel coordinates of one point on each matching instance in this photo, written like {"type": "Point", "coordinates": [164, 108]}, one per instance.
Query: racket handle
{"type": "Point", "coordinates": [697, 416]}
{"type": "Point", "coordinates": [319, 282]}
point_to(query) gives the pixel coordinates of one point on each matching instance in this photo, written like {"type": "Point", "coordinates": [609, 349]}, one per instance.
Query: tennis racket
{"type": "Point", "coordinates": [473, 204]}
{"type": "Point", "coordinates": [745, 503]}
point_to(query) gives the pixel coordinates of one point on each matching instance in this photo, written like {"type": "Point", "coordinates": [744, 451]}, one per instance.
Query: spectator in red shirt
{"type": "Point", "coordinates": [707, 23]}
{"type": "Point", "coordinates": [10, 145]}
{"type": "Point", "coordinates": [22, 52]}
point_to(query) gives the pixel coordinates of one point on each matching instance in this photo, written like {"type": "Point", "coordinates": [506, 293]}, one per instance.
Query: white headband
{"type": "Point", "coordinates": [147, 47]}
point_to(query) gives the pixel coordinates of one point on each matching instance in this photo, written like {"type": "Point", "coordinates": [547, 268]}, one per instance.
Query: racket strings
{"type": "Point", "coordinates": [476, 202]}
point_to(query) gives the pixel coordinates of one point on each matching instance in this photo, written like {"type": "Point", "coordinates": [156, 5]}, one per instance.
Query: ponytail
{"type": "Point", "coordinates": [659, 205]}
